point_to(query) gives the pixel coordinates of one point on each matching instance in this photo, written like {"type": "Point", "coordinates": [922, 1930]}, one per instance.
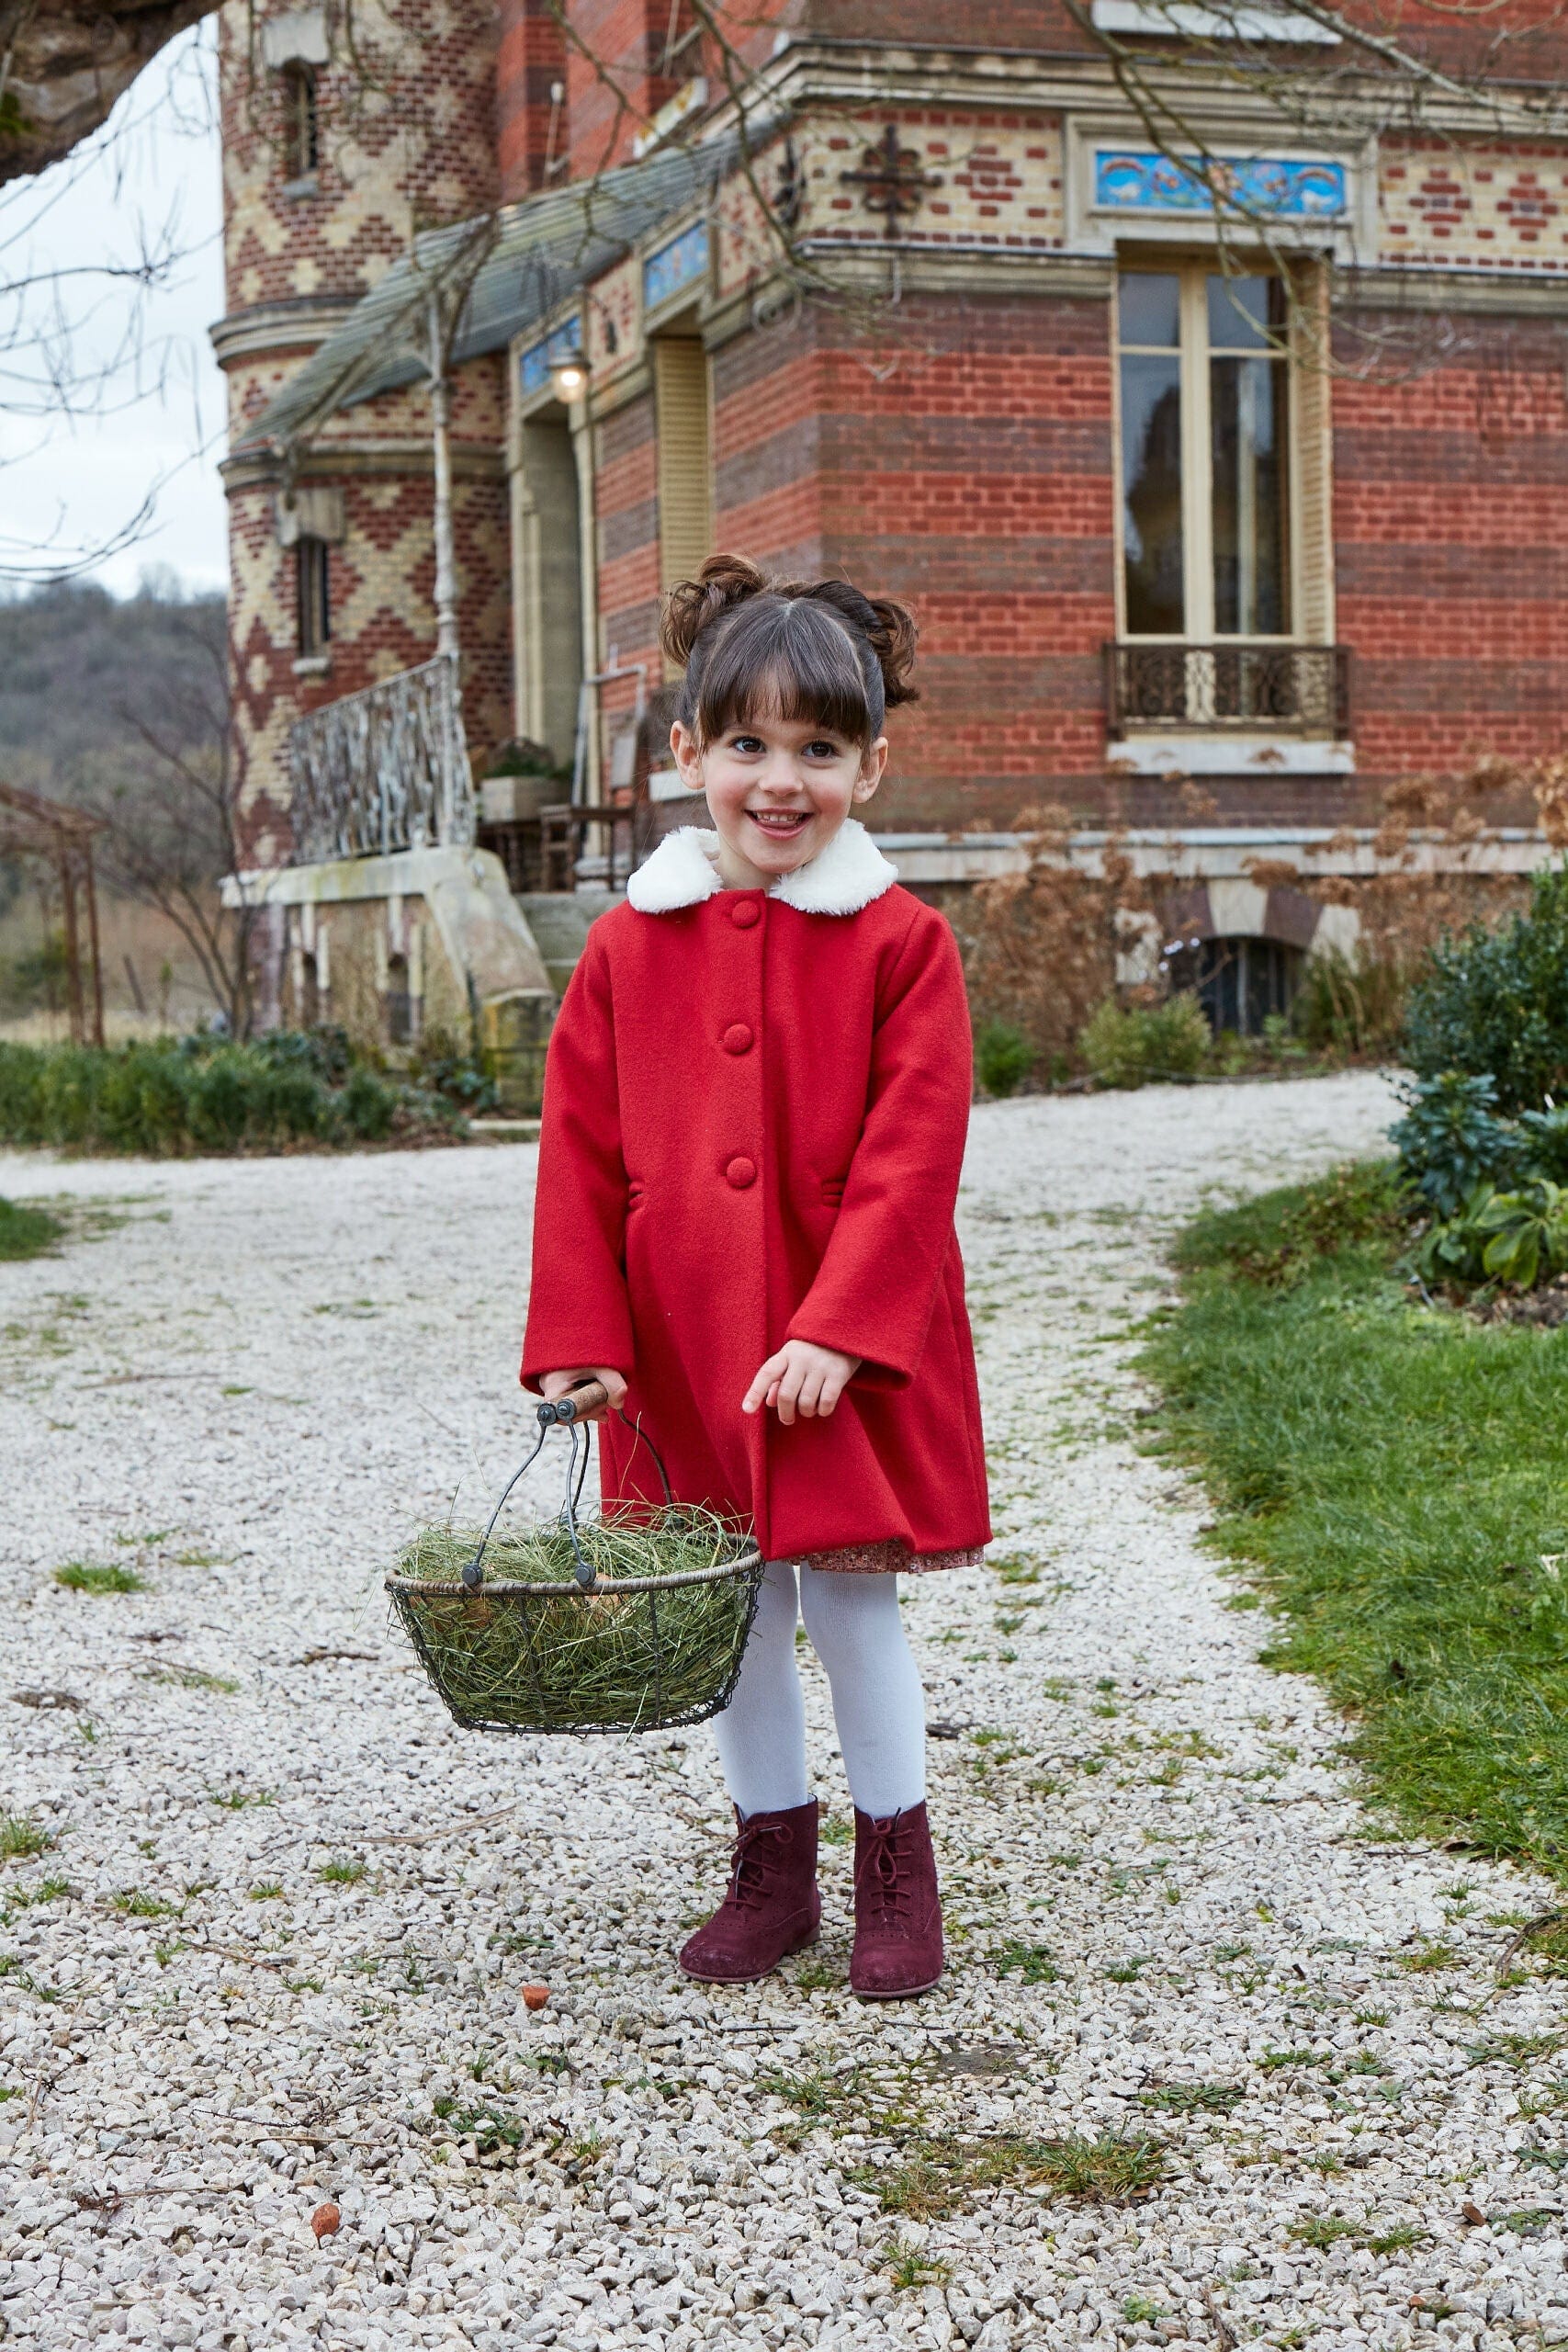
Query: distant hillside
{"type": "Point", "coordinates": [78, 669]}
{"type": "Point", "coordinates": [122, 705]}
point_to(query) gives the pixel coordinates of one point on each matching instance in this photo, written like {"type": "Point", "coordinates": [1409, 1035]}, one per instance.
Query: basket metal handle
{"type": "Point", "coordinates": [567, 1412]}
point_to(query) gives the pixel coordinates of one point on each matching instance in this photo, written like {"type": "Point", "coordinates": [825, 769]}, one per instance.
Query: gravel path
{"type": "Point", "coordinates": [273, 1953]}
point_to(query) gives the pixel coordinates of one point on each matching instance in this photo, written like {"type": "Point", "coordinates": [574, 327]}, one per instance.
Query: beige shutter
{"type": "Point", "coordinates": [1311, 392]}
{"type": "Point", "coordinates": [685, 457]}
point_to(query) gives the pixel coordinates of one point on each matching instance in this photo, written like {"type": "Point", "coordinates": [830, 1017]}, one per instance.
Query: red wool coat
{"type": "Point", "coordinates": [754, 1115]}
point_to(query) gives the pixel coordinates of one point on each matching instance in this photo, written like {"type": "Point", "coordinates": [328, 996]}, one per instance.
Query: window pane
{"type": "Point", "coordinates": [1246, 313]}
{"type": "Point", "coordinates": [1151, 495]}
{"type": "Point", "coordinates": [1246, 399]}
{"type": "Point", "coordinates": [1150, 307]}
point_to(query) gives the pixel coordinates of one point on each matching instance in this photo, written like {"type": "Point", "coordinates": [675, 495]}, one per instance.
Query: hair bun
{"type": "Point", "coordinates": [893, 636]}
{"type": "Point", "coordinates": [888, 628]}
{"type": "Point", "coordinates": [694, 605]}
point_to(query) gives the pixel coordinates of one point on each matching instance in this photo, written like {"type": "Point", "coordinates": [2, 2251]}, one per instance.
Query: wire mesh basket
{"type": "Point", "coordinates": [632, 1621]}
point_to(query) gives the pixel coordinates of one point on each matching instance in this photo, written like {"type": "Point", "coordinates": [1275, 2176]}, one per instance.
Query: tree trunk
{"type": "Point", "coordinates": [65, 62]}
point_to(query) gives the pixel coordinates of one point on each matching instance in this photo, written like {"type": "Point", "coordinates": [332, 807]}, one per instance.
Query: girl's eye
{"type": "Point", "coordinates": [747, 743]}
{"type": "Point", "coordinates": [822, 750]}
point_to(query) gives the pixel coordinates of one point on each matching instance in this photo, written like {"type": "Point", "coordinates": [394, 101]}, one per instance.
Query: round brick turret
{"type": "Point", "coordinates": [343, 134]}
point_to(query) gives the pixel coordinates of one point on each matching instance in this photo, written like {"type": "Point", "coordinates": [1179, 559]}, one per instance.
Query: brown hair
{"type": "Point", "coordinates": [813, 649]}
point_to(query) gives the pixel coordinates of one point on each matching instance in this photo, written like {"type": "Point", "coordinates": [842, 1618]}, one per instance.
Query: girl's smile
{"type": "Point", "coordinates": [780, 824]}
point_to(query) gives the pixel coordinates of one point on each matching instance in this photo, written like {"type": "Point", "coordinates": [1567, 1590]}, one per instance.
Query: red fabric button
{"type": "Point", "coordinates": [741, 1171]}
{"type": "Point", "coordinates": [738, 1038]}
{"type": "Point", "coordinates": [744, 914]}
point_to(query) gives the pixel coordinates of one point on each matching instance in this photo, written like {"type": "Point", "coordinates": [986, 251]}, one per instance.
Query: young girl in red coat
{"type": "Point", "coordinates": [755, 1107]}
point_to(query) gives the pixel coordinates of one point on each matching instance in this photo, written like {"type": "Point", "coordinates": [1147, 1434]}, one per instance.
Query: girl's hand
{"type": "Point", "coordinates": [801, 1379]}
{"type": "Point", "coordinates": [554, 1385]}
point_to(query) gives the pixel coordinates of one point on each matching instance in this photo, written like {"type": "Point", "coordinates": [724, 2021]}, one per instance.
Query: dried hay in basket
{"type": "Point", "coordinates": [640, 1650]}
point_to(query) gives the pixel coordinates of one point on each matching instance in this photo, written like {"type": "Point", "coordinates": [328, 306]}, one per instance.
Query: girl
{"type": "Point", "coordinates": [755, 1107]}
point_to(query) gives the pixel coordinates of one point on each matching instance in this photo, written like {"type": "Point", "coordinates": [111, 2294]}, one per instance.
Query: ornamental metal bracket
{"type": "Point", "coordinates": [893, 179]}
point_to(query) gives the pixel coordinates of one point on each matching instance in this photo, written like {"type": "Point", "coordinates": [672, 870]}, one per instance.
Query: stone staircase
{"type": "Point", "coordinates": [559, 920]}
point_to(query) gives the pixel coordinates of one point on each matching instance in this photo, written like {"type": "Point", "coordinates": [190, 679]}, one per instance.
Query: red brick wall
{"type": "Point", "coordinates": [1451, 531]}
{"type": "Point", "coordinates": [619, 73]}
{"type": "Point", "coordinates": [533, 133]}
{"type": "Point", "coordinates": [964, 466]}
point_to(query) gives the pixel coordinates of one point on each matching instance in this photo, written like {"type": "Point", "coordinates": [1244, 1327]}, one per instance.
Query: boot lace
{"type": "Point", "coordinates": [884, 1875]}
{"type": "Point", "coordinates": [756, 1862]}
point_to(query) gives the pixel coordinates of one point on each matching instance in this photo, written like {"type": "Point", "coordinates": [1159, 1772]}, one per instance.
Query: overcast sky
{"type": "Point", "coordinates": [109, 395]}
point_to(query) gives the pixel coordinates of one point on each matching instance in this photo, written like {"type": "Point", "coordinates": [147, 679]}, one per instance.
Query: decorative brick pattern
{"type": "Point", "coordinates": [1476, 207]}
{"type": "Point", "coordinates": [995, 179]}
{"type": "Point", "coordinates": [407, 137]}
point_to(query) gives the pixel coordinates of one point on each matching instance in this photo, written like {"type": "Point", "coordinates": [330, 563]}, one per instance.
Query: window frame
{"type": "Point", "coordinates": [1193, 270]}
{"type": "Point", "coordinates": [312, 597]}
{"type": "Point", "coordinates": [301, 122]}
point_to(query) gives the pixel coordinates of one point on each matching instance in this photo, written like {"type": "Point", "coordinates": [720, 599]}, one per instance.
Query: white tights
{"type": "Point", "coordinates": [853, 1623]}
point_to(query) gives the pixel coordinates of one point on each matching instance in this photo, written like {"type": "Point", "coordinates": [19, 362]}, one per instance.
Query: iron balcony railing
{"type": "Point", "coordinates": [384, 769]}
{"type": "Point", "coordinates": [1292, 689]}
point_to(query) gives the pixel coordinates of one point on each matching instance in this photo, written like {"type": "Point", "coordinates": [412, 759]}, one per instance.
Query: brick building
{"type": "Point", "coordinates": [1220, 515]}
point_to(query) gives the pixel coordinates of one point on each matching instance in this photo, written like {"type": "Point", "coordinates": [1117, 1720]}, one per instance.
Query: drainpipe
{"type": "Point", "coordinates": [441, 422]}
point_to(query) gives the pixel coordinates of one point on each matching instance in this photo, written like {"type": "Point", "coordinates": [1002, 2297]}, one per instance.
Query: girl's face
{"type": "Point", "coordinates": [778, 790]}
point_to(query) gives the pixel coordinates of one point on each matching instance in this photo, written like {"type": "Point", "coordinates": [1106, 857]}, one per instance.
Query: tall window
{"type": "Point", "coordinates": [312, 607]}
{"type": "Point", "coordinates": [301, 141]}
{"type": "Point", "coordinates": [1205, 483]}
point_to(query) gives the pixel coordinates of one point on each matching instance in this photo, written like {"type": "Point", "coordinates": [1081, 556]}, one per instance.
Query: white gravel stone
{"type": "Point", "coordinates": [248, 1381]}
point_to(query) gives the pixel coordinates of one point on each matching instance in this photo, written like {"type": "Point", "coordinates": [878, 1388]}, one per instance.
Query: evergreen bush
{"type": "Point", "coordinates": [1003, 1058]}
{"type": "Point", "coordinates": [1495, 1003]}
{"type": "Point", "coordinates": [1139, 1043]}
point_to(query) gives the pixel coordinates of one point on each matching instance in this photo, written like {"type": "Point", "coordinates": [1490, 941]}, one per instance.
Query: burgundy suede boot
{"type": "Point", "coordinates": [772, 1907]}
{"type": "Point", "coordinates": [897, 1909]}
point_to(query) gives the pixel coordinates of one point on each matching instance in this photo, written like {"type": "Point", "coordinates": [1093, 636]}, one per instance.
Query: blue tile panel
{"type": "Point", "coordinates": [685, 257]}
{"type": "Point", "coordinates": [541, 357]}
{"type": "Point", "coordinates": [1126, 180]}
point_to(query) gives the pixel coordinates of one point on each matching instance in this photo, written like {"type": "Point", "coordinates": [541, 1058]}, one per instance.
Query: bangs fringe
{"type": "Point", "coordinates": [788, 661]}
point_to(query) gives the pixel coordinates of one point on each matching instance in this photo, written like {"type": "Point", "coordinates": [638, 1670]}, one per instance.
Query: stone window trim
{"type": "Point", "coordinates": [1190, 19]}
{"type": "Point", "coordinates": [1351, 236]}
{"type": "Point", "coordinates": [1303, 572]}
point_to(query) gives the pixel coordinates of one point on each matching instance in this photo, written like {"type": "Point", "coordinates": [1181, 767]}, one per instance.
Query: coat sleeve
{"type": "Point", "coordinates": [878, 1281]}
{"type": "Point", "coordinates": [579, 1309]}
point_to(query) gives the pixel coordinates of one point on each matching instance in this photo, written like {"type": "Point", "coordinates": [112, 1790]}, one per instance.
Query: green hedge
{"type": "Point", "coordinates": [198, 1096]}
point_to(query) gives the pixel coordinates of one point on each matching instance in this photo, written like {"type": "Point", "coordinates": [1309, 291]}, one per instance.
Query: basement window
{"type": "Point", "coordinates": [1240, 982]}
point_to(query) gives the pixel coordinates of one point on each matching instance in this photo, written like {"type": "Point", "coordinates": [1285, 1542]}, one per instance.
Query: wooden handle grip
{"type": "Point", "coordinates": [590, 1398]}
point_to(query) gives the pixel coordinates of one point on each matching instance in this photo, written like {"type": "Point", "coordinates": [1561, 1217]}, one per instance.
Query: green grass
{"type": "Point", "coordinates": [98, 1576]}
{"type": "Point", "coordinates": [26, 1232]}
{"type": "Point", "coordinates": [936, 2175]}
{"type": "Point", "coordinates": [1391, 1476]}
{"type": "Point", "coordinates": [21, 1837]}
{"type": "Point", "coordinates": [1033, 1963]}
{"type": "Point", "coordinates": [191, 1678]}
{"type": "Point", "coordinates": [136, 1905]}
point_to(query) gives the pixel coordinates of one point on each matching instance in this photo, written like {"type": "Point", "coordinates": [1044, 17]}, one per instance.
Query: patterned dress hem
{"type": "Point", "coordinates": [891, 1558]}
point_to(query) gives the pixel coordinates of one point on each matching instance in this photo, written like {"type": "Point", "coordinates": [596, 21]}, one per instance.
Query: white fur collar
{"type": "Point", "coordinates": [842, 879]}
